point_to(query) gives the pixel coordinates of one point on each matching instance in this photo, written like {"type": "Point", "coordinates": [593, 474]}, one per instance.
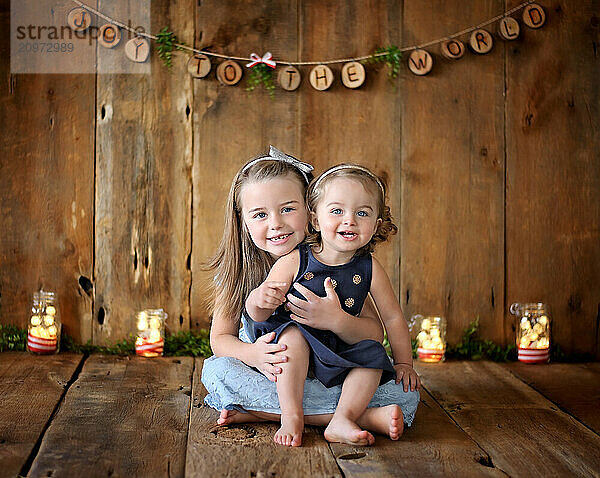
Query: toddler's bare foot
{"type": "Point", "coordinates": [228, 417]}
{"type": "Point", "coordinates": [343, 430]}
{"type": "Point", "coordinates": [290, 433]}
{"type": "Point", "coordinates": [384, 420]}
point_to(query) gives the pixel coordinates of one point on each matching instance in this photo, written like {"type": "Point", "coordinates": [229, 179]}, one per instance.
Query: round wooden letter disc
{"type": "Point", "coordinates": [137, 49]}
{"type": "Point", "coordinates": [289, 78]}
{"type": "Point", "coordinates": [353, 74]}
{"type": "Point", "coordinates": [534, 16]}
{"type": "Point", "coordinates": [321, 77]}
{"type": "Point", "coordinates": [229, 72]}
{"type": "Point", "coordinates": [420, 62]}
{"type": "Point", "coordinates": [109, 35]}
{"type": "Point", "coordinates": [79, 19]}
{"type": "Point", "coordinates": [453, 49]}
{"type": "Point", "coordinates": [509, 28]}
{"type": "Point", "coordinates": [198, 66]}
{"type": "Point", "coordinates": [481, 41]}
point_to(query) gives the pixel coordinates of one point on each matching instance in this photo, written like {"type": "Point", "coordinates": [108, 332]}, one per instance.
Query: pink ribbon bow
{"type": "Point", "coordinates": [266, 59]}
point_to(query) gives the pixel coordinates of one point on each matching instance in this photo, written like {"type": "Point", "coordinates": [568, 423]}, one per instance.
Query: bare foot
{"type": "Point", "coordinates": [228, 417]}
{"type": "Point", "coordinates": [290, 433]}
{"type": "Point", "coordinates": [384, 420]}
{"type": "Point", "coordinates": [342, 430]}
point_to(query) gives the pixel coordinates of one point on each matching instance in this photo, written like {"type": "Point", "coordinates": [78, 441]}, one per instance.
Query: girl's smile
{"type": "Point", "coordinates": [274, 214]}
{"type": "Point", "coordinates": [346, 216]}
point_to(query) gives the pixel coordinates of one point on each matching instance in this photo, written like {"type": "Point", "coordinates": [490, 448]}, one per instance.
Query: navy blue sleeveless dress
{"type": "Point", "coordinates": [331, 358]}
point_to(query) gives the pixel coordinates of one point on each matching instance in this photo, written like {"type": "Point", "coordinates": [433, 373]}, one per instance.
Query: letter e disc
{"type": "Point", "coordinates": [353, 74]}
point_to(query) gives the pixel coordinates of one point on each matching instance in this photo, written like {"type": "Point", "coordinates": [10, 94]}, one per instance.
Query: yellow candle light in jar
{"type": "Point", "coordinates": [431, 339]}
{"type": "Point", "coordinates": [43, 331]}
{"type": "Point", "coordinates": [151, 333]}
{"type": "Point", "coordinates": [533, 333]}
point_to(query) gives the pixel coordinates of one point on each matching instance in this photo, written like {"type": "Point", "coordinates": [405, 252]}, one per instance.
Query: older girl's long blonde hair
{"type": "Point", "coordinates": [239, 265]}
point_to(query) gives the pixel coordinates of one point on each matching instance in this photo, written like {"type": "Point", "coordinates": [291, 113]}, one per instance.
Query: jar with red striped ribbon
{"type": "Point", "coordinates": [533, 332]}
{"type": "Point", "coordinates": [43, 331]}
{"type": "Point", "coordinates": [150, 338]}
{"type": "Point", "coordinates": [431, 339]}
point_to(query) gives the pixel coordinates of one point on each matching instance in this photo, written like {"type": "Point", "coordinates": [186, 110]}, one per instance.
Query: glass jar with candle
{"type": "Point", "coordinates": [43, 330]}
{"type": "Point", "coordinates": [431, 339]}
{"type": "Point", "coordinates": [150, 338]}
{"type": "Point", "coordinates": [533, 332]}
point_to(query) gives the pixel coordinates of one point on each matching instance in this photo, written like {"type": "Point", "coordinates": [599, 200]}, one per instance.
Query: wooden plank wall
{"type": "Point", "coordinates": [553, 172]}
{"type": "Point", "coordinates": [46, 191]}
{"type": "Point", "coordinates": [492, 162]}
{"type": "Point", "coordinates": [143, 188]}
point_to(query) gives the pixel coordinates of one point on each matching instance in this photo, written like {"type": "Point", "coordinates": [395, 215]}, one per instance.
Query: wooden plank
{"type": "Point", "coordinates": [553, 173]}
{"type": "Point", "coordinates": [353, 125]}
{"type": "Point", "coordinates": [124, 416]}
{"type": "Point", "coordinates": [143, 185]}
{"type": "Point", "coordinates": [433, 446]}
{"type": "Point", "coordinates": [524, 433]}
{"type": "Point", "coordinates": [46, 190]}
{"type": "Point", "coordinates": [452, 224]}
{"type": "Point", "coordinates": [248, 449]}
{"type": "Point", "coordinates": [30, 387]}
{"type": "Point", "coordinates": [575, 388]}
{"type": "Point", "coordinates": [231, 125]}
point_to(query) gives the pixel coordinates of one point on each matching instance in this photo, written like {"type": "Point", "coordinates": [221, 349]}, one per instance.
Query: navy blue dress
{"type": "Point", "coordinates": [330, 357]}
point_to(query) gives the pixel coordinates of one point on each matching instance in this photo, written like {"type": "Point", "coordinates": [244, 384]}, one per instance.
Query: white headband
{"type": "Point", "coordinates": [276, 155]}
{"type": "Point", "coordinates": [351, 166]}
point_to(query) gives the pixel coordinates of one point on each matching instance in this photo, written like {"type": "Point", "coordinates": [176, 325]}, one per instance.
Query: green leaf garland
{"type": "Point", "coordinates": [261, 74]}
{"type": "Point", "coordinates": [166, 42]}
{"type": "Point", "coordinates": [391, 56]}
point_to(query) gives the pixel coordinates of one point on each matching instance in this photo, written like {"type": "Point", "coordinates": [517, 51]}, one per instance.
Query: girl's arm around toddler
{"type": "Point", "coordinates": [261, 354]}
{"type": "Point", "coordinates": [395, 326]}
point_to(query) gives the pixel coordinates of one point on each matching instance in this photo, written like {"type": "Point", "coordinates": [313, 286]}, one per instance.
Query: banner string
{"type": "Point", "coordinates": [183, 46]}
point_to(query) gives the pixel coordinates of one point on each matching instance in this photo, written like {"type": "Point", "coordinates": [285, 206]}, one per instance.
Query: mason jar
{"type": "Point", "coordinates": [532, 332]}
{"type": "Point", "coordinates": [431, 339]}
{"type": "Point", "coordinates": [150, 338]}
{"type": "Point", "coordinates": [44, 328]}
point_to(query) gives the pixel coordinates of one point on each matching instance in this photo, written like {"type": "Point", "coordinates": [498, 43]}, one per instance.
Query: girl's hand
{"type": "Point", "coordinates": [317, 312]}
{"type": "Point", "coordinates": [264, 356]}
{"type": "Point", "coordinates": [408, 376]}
{"type": "Point", "coordinates": [268, 295]}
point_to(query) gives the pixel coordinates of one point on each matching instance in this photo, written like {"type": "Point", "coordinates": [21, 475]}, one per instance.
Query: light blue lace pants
{"type": "Point", "coordinates": [232, 385]}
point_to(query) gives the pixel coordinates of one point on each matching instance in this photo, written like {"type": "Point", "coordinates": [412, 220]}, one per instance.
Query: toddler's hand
{"type": "Point", "coordinates": [317, 312]}
{"type": "Point", "coordinates": [264, 356]}
{"type": "Point", "coordinates": [268, 295]}
{"type": "Point", "coordinates": [408, 376]}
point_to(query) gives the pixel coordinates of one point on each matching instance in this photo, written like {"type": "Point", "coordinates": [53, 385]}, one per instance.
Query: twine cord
{"type": "Point", "coordinates": [182, 46]}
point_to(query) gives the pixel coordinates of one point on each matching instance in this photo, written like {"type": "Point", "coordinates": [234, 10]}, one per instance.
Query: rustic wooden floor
{"type": "Point", "coordinates": [67, 415]}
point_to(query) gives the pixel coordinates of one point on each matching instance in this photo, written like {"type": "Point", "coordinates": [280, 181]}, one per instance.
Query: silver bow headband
{"type": "Point", "coordinates": [355, 167]}
{"type": "Point", "coordinates": [276, 155]}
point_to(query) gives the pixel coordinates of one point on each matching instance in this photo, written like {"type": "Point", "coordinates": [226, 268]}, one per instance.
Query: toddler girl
{"type": "Point", "coordinates": [349, 216]}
